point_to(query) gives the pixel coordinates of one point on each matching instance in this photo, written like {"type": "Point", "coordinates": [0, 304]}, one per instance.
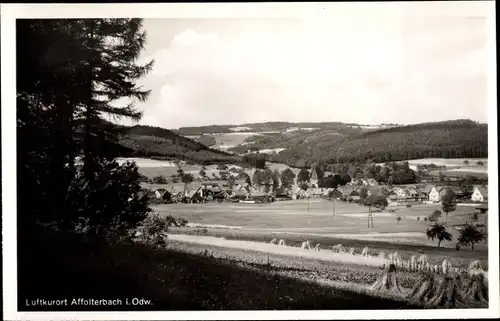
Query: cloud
{"type": "Point", "coordinates": [381, 70]}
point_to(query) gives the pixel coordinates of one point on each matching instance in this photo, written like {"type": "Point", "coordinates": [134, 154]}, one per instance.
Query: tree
{"type": "Point", "coordinates": [187, 178]}
{"type": "Point", "coordinates": [377, 201]}
{"type": "Point", "coordinates": [332, 181]}
{"type": "Point", "coordinates": [223, 175]}
{"type": "Point", "coordinates": [202, 173]}
{"type": "Point", "coordinates": [71, 73]}
{"type": "Point", "coordinates": [159, 180]}
{"type": "Point", "coordinates": [303, 176]}
{"type": "Point", "coordinates": [448, 203]}
{"type": "Point", "coordinates": [363, 193]}
{"type": "Point", "coordinates": [425, 220]}
{"type": "Point", "coordinates": [398, 219]}
{"type": "Point", "coordinates": [230, 181]}
{"type": "Point", "coordinates": [275, 176]}
{"type": "Point", "coordinates": [470, 235]}
{"type": "Point", "coordinates": [466, 162]}
{"type": "Point", "coordinates": [287, 178]}
{"type": "Point", "coordinates": [207, 140]}
{"type": "Point", "coordinates": [390, 181]}
{"type": "Point", "coordinates": [480, 163]}
{"type": "Point", "coordinates": [244, 176]}
{"type": "Point", "coordinates": [438, 231]}
{"type": "Point", "coordinates": [344, 178]}
{"type": "Point", "coordinates": [222, 167]}
{"type": "Point", "coordinates": [434, 217]}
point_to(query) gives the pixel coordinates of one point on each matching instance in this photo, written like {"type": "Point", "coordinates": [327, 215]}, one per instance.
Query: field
{"type": "Point", "coordinates": [228, 140]}
{"type": "Point", "coordinates": [461, 172]}
{"type": "Point", "coordinates": [449, 162]}
{"type": "Point", "coordinates": [152, 168]}
{"type": "Point", "coordinates": [294, 222]}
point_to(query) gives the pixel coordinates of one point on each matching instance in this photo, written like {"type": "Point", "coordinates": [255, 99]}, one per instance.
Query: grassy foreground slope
{"type": "Point", "coordinates": [59, 267]}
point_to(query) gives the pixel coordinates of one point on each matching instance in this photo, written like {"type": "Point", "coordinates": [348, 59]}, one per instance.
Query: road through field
{"type": "Point", "coordinates": [275, 249]}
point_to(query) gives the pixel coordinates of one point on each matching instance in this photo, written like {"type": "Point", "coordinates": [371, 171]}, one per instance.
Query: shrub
{"type": "Point", "coordinates": [152, 230]}
{"type": "Point", "coordinates": [408, 205]}
{"type": "Point", "coordinates": [418, 218]}
{"type": "Point", "coordinates": [159, 180]}
{"type": "Point", "coordinates": [434, 217]}
{"type": "Point", "coordinates": [110, 206]}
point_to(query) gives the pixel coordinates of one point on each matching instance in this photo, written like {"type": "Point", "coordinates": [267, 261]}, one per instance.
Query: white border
{"type": "Point", "coordinates": [213, 10]}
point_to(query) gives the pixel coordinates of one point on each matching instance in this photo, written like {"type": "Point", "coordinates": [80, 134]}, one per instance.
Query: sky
{"type": "Point", "coordinates": [367, 63]}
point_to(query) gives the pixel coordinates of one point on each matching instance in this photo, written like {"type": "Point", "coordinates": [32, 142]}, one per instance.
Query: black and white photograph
{"type": "Point", "coordinates": [249, 160]}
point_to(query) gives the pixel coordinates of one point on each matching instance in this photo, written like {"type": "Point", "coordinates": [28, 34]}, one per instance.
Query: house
{"type": "Point", "coordinates": [162, 194]}
{"type": "Point", "coordinates": [353, 196]}
{"type": "Point", "coordinates": [376, 190]}
{"type": "Point", "coordinates": [334, 193]}
{"type": "Point", "coordinates": [261, 197]}
{"type": "Point", "coordinates": [401, 192]}
{"type": "Point", "coordinates": [297, 193]}
{"type": "Point", "coordinates": [434, 194]}
{"type": "Point", "coordinates": [371, 182]}
{"type": "Point", "coordinates": [459, 193]}
{"type": "Point", "coordinates": [414, 194]}
{"type": "Point", "coordinates": [346, 191]}
{"type": "Point", "coordinates": [315, 192]}
{"type": "Point", "coordinates": [281, 194]}
{"type": "Point", "coordinates": [328, 191]}
{"type": "Point", "coordinates": [480, 194]}
{"type": "Point", "coordinates": [313, 181]}
{"type": "Point", "coordinates": [425, 190]}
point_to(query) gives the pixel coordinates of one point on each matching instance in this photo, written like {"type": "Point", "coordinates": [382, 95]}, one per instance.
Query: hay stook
{"type": "Point", "coordinates": [387, 281]}
{"type": "Point", "coordinates": [448, 295]}
{"type": "Point", "coordinates": [424, 289]}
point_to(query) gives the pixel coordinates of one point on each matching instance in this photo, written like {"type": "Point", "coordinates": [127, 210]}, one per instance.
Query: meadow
{"type": "Point", "coordinates": [228, 140]}
{"type": "Point", "coordinates": [319, 217]}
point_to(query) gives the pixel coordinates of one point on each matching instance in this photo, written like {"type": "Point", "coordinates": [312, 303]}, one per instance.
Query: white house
{"type": "Point", "coordinates": [434, 195]}
{"type": "Point", "coordinates": [480, 194]}
{"type": "Point", "coordinates": [400, 192]}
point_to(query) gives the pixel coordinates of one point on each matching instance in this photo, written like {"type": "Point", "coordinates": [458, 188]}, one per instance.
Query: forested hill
{"type": "Point", "coordinates": [148, 141]}
{"type": "Point", "coordinates": [449, 139]}
{"type": "Point", "coordinates": [263, 127]}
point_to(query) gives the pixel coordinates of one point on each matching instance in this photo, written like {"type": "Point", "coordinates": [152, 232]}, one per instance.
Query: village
{"type": "Point", "coordinates": [246, 191]}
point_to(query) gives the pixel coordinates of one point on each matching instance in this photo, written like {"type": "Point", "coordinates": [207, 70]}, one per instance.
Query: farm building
{"type": "Point", "coordinates": [434, 195]}
{"type": "Point", "coordinates": [480, 194]}
{"type": "Point", "coordinates": [315, 192]}
{"type": "Point", "coordinates": [425, 190]}
{"type": "Point", "coordinates": [459, 193]}
{"type": "Point", "coordinates": [415, 195]}
{"type": "Point", "coordinates": [401, 192]}
{"type": "Point", "coordinates": [353, 196]}
{"type": "Point", "coordinates": [260, 197]}
{"type": "Point", "coordinates": [297, 193]}
{"type": "Point", "coordinates": [334, 193]}
{"type": "Point", "coordinates": [376, 190]}
{"type": "Point", "coordinates": [281, 194]}
{"type": "Point", "coordinates": [163, 194]}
